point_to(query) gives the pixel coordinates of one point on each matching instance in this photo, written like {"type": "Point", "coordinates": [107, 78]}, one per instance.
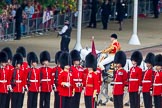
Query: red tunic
{"type": "Point", "coordinates": [157, 84]}
{"type": "Point", "coordinates": [135, 78]}
{"type": "Point", "coordinates": [120, 81]}
{"type": "Point", "coordinates": [66, 77]}
{"type": "Point", "coordinates": [78, 78]}
{"type": "Point", "coordinates": [46, 79]}
{"type": "Point", "coordinates": [90, 83]}
{"type": "Point", "coordinates": [33, 79]}
{"type": "Point", "coordinates": [19, 80]}
{"type": "Point", "coordinates": [4, 80]}
{"type": "Point", "coordinates": [147, 80]}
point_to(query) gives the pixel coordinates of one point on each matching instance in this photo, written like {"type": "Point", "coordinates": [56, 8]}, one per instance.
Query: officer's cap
{"type": "Point", "coordinates": [137, 57]}
{"type": "Point", "coordinates": [114, 36]}
{"type": "Point", "coordinates": [120, 57]}
{"type": "Point", "coordinates": [150, 58]}
{"type": "Point", "coordinates": [91, 61]}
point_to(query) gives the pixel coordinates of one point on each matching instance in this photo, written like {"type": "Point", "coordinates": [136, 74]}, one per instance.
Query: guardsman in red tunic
{"type": "Point", "coordinates": [91, 81]}
{"type": "Point", "coordinates": [157, 83]}
{"type": "Point", "coordinates": [147, 80]}
{"type": "Point", "coordinates": [24, 67]}
{"type": "Point", "coordinates": [65, 81]}
{"type": "Point", "coordinates": [10, 68]}
{"type": "Point", "coordinates": [17, 82]}
{"type": "Point", "coordinates": [4, 78]}
{"type": "Point", "coordinates": [46, 80]}
{"type": "Point", "coordinates": [77, 71]}
{"type": "Point", "coordinates": [135, 79]}
{"type": "Point", "coordinates": [33, 80]}
{"type": "Point", "coordinates": [120, 79]}
{"type": "Point", "coordinates": [111, 51]}
{"type": "Point", "coordinates": [55, 75]}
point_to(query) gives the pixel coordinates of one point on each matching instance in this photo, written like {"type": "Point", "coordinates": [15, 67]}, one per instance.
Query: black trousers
{"type": "Point", "coordinates": [22, 100]}
{"type": "Point", "coordinates": [93, 19]}
{"type": "Point", "coordinates": [155, 8]}
{"type": "Point", "coordinates": [147, 100]}
{"type": "Point", "coordinates": [89, 102]}
{"type": "Point", "coordinates": [118, 101]}
{"type": "Point", "coordinates": [65, 102]}
{"type": "Point", "coordinates": [16, 100]}
{"type": "Point", "coordinates": [3, 99]}
{"type": "Point", "coordinates": [105, 19]}
{"type": "Point", "coordinates": [18, 30]}
{"type": "Point", "coordinates": [157, 101]}
{"type": "Point", "coordinates": [8, 97]}
{"type": "Point", "coordinates": [44, 99]}
{"type": "Point", "coordinates": [76, 100]}
{"type": "Point", "coordinates": [134, 99]}
{"type": "Point", "coordinates": [57, 100]}
{"type": "Point", "coordinates": [65, 44]}
{"type": "Point", "coordinates": [32, 99]}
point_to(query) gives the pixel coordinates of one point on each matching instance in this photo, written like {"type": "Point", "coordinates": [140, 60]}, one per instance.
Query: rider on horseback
{"type": "Point", "coordinates": [110, 51]}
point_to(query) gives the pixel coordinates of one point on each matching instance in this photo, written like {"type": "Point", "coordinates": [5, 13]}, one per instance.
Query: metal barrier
{"type": "Point", "coordinates": [30, 26]}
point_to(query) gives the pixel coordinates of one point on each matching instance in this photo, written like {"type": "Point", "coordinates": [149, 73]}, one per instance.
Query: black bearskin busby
{"type": "Point", "coordinates": [120, 57]}
{"type": "Point", "coordinates": [3, 57]}
{"type": "Point", "coordinates": [65, 60]}
{"type": "Point", "coordinates": [91, 61]}
{"type": "Point", "coordinates": [9, 52]}
{"type": "Point", "coordinates": [75, 55]}
{"type": "Point", "coordinates": [22, 51]}
{"type": "Point", "coordinates": [57, 56]}
{"type": "Point", "coordinates": [31, 58]}
{"type": "Point", "coordinates": [17, 59]}
{"type": "Point", "coordinates": [137, 57]}
{"type": "Point", "coordinates": [158, 60]}
{"type": "Point", "coordinates": [44, 56]}
{"type": "Point", "coordinates": [150, 58]}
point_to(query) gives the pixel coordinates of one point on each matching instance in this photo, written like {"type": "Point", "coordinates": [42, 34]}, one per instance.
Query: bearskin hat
{"type": "Point", "coordinates": [75, 55]}
{"type": "Point", "coordinates": [150, 58]}
{"type": "Point", "coordinates": [44, 55]}
{"type": "Point", "coordinates": [17, 59]}
{"type": "Point", "coordinates": [3, 57]}
{"type": "Point", "coordinates": [65, 59]}
{"type": "Point", "coordinates": [114, 36]}
{"type": "Point", "coordinates": [158, 60]}
{"type": "Point", "coordinates": [31, 58]}
{"type": "Point", "coordinates": [120, 57]}
{"type": "Point", "coordinates": [57, 56]}
{"type": "Point", "coordinates": [22, 51]}
{"type": "Point", "coordinates": [91, 61]}
{"type": "Point", "coordinates": [8, 51]}
{"type": "Point", "coordinates": [137, 57]}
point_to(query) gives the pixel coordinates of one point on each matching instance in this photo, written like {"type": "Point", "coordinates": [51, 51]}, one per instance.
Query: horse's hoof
{"type": "Point", "coordinates": [111, 99]}
{"type": "Point", "coordinates": [103, 104]}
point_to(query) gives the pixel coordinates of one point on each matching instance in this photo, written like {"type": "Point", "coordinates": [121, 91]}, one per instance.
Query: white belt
{"type": "Point", "coordinates": [77, 79]}
{"type": "Point", "coordinates": [146, 81]}
{"type": "Point", "coordinates": [3, 81]}
{"type": "Point", "coordinates": [33, 80]}
{"type": "Point", "coordinates": [18, 81]}
{"type": "Point", "coordinates": [46, 80]}
{"type": "Point", "coordinates": [131, 79]}
{"type": "Point", "coordinates": [117, 82]}
{"type": "Point", "coordinates": [157, 84]}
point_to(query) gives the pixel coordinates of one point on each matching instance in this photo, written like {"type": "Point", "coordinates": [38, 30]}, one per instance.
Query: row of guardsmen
{"type": "Point", "coordinates": [67, 79]}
